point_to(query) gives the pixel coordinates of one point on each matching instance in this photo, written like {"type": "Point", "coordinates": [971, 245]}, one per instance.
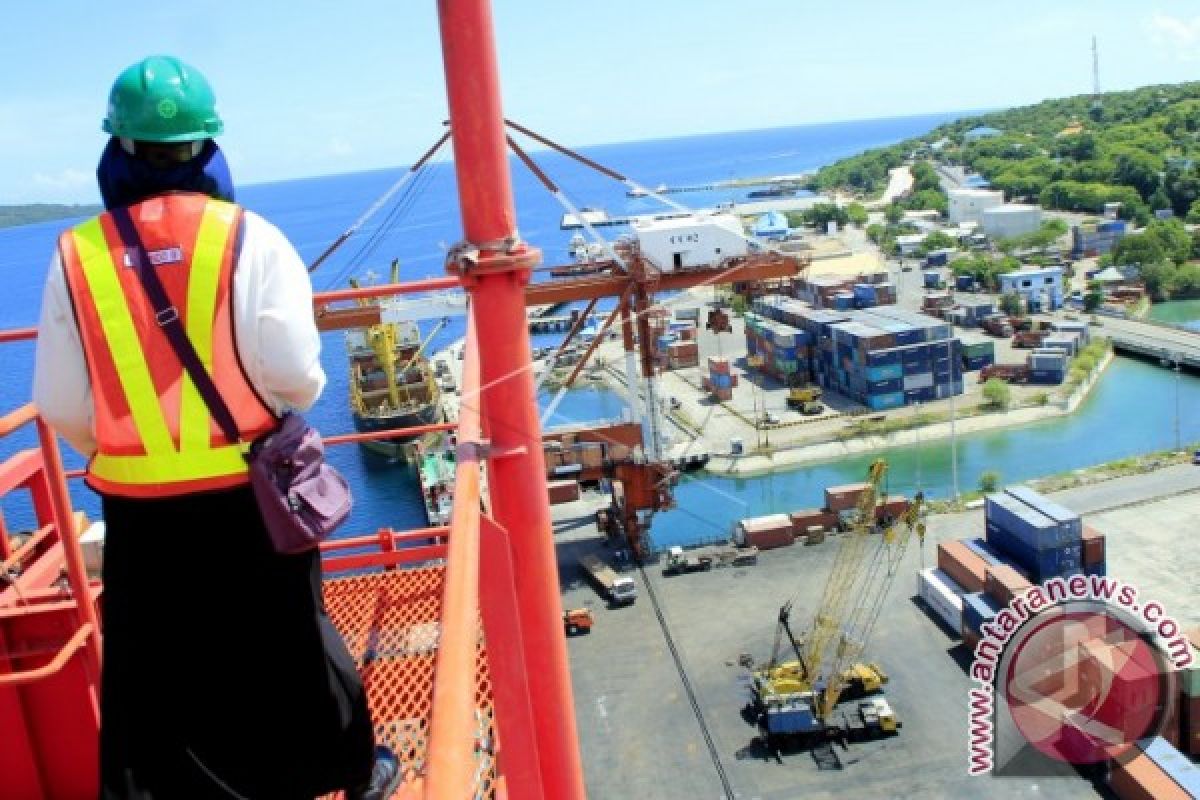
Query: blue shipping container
{"type": "Point", "coordinates": [792, 717]}
{"type": "Point", "coordinates": [883, 372]}
{"type": "Point", "coordinates": [1040, 564]}
{"type": "Point", "coordinates": [882, 402]}
{"type": "Point", "coordinates": [1047, 377]}
{"type": "Point", "coordinates": [978, 608]}
{"type": "Point", "coordinates": [883, 358]}
{"type": "Point", "coordinates": [932, 280]}
{"type": "Point", "coordinates": [1028, 524]}
{"type": "Point", "coordinates": [885, 387]}
{"type": "Point", "coordinates": [985, 551]}
{"type": "Point", "coordinates": [1068, 521]}
{"type": "Point", "coordinates": [964, 282]}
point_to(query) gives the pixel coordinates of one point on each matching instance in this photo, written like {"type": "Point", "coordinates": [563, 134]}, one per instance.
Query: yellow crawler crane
{"type": "Point", "coordinates": [799, 698]}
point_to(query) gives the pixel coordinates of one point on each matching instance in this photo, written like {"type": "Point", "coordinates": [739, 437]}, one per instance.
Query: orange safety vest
{"type": "Point", "coordinates": [155, 436]}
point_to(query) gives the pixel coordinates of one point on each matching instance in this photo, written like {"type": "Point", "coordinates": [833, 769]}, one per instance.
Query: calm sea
{"type": "Point", "coordinates": [416, 228]}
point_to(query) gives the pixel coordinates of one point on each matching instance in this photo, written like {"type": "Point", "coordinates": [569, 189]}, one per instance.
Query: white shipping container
{"type": "Point", "coordinates": [942, 595]}
{"type": "Point", "coordinates": [920, 380]}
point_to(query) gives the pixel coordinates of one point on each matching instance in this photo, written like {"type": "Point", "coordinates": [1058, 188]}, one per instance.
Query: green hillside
{"type": "Point", "coordinates": [1141, 148]}
{"type": "Point", "coordinates": [42, 212]}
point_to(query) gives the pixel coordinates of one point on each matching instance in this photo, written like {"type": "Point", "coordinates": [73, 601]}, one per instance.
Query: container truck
{"type": "Point", "coordinates": [617, 589]}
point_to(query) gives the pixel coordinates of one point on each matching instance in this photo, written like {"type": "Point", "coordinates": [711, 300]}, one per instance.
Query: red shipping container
{"type": "Point", "coordinates": [1093, 546]}
{"type": "Point", "coordinates": [768, 540]}
{"type": "Point", "coordinates": [718, 365]}
{"type": "Point", "coordinates": [893, 506]}
{"type": "Point", "coordinates": [562, 491]}
{"type": "Point", "coordinates": [843, 498]}
{"type": "Point", "coordinates": [1003, 583]}
{"type": "Point", "coordinates": [812, 518]}
{"type": "Point", "coordinates": [962, 564]}
{"type": "Point", "coordinates": [1141, 779]}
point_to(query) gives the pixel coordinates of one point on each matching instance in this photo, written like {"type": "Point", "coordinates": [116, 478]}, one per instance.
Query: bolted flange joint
{"type": "Point", "coordinates": [468, 260]}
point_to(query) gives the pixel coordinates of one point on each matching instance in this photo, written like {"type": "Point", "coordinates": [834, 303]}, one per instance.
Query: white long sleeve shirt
{"type": "Point", "coordinates": [274, 332]}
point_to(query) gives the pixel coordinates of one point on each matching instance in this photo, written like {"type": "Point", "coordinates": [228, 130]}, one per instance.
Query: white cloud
{"type": "Point", "coordinates": [68, 178]}
{"type": "Point", "coordinates": [1179, 35]}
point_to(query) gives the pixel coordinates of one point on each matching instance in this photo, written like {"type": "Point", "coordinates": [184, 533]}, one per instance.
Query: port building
{"type": "Point", "coordinates": [1040, 287]}
{"type": "Point", "coordinates": [968, 205]}
{"type": "Point", "coordinates": [1010, 220]}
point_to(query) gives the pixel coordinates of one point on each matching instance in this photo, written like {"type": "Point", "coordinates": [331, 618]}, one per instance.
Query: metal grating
{"type": "Point", "coordinates": [391, 623]}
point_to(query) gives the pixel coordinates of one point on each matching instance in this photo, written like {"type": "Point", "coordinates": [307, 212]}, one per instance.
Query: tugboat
{"type": "Point", "coordinates": [589, 258]}
{"type": "Point", "coordinates": [436, 465]}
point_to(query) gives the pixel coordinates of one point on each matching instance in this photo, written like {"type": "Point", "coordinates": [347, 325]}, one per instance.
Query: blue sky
{"type": "Point", "coordinates": [311, 87]}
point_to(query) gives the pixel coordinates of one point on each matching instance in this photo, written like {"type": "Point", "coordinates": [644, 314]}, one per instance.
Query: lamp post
{"type": "Point", "coordinates": [1178, 376]}
{"type": "Point", "coordinates": [953, 437]}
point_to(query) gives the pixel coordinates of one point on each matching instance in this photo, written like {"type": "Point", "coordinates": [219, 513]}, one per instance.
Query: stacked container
{"type": "Point", "coordinates": [683, 354]}
{"type": "Point", "coordinates": [1047, 366]}
{"type": "Point", "coordinates": [1066, 341]}
{"type": "Point", "coordinates": [868, 295]}
{"type": "Point", "coordinates": [1042, 537]}
{"type": "Point", "coordinates": [975, 310]}
{"type": "Point", "coordinates": [1161, 772]}
{"type": "Point", "coordinates": [720, 380]}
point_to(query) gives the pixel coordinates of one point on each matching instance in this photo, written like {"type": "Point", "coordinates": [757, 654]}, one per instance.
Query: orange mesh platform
{"type": "Point", "coordinates": [391, 621]}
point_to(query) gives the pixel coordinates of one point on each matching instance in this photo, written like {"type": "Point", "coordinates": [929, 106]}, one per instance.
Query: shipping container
{"type": "Point", "coordinates": [841, 498]}
{"type": "Point", "coordinates": [1069, 523]}
{"type": "Point", "coordinates": [1003, 583]}
{"type": "Point", "coordinates": [884, 402]}
{"type": "Point", "coordinates": [1174, 764]}
{"type": "Point", "coordinates": [562, 491]}
{"type": "Point", "coordinates": [1029, 524]}
{"type": "Point", "coordinates": [1139, 778]}
{"type": "Point", "coordinates": [942, 596]}
{"type": "Point", "coordinates": [808, 518]}
{"type": "Point", "coordinates": [1040, 564]}
{"type": "Point", "coordinates": [1093, 546]}
{"type": "Point", "coordinates": [962, 564]}
{"type": "Point", "coordinates": [769, 540]}
{"type": "Point", "coordinates": [978, 609]}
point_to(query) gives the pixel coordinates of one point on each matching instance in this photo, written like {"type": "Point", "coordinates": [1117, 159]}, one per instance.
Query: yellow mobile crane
{"type": "Point", "coordinates": [798, 698]}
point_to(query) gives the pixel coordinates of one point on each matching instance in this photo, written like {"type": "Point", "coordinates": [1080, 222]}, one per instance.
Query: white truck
{"type": "Point", "coordinates": [619, 590]}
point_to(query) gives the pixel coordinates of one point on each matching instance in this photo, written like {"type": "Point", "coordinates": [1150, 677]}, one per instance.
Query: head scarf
{"type": "Point", "coordinates": [125, 179]}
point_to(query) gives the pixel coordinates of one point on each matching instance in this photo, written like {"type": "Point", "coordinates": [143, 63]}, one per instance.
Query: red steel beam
{"type": "Point", "coordinates": [516, 468]}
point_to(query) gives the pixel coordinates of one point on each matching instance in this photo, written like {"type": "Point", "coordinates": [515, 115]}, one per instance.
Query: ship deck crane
{"type": "Point", "coordinates": [799, 697]}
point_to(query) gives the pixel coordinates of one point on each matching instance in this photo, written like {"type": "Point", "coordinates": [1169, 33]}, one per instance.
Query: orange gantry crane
{"type": "Point", "coordinates": [457, 629]}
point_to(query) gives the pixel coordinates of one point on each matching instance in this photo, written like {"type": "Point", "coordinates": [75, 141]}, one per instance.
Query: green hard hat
{"type": "Point", "coordinates": [162, 99]}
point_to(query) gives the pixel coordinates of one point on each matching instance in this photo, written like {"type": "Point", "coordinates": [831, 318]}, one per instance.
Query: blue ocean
{"type": "Point", "coordinates": [417, 227]}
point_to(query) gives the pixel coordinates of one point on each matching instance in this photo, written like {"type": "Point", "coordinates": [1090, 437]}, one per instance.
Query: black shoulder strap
{"type": "Point", "coordinates": [167, 317]}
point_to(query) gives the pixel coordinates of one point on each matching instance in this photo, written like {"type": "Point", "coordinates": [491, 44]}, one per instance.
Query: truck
{"type": "Point", "coordinates": [619, 590]}
{"type": "Point", "coordinates": [801, 396]}
{"type": "Point", "coordinates": [1028, 338]}
{"type": "Point", "coordinates": [997, 325]}
{"type": "Point", "coordinates": [680, 561]}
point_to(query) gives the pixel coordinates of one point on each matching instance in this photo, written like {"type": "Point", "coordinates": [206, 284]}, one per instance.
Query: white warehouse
{"type": "Point", "coordinates": [968, 205]}
{"type": "Point", "coordinates": [1013, 219]}
{"type": "Point", "coordinates": [699, 240]}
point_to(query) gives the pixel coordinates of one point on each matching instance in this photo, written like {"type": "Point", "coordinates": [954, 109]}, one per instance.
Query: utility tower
{"type": "Point", "coordinates": [1095, 75]}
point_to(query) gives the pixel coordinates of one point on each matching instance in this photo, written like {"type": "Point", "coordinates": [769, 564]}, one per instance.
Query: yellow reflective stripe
{"type": "Point", "coordinates": [204, 277]}
{"type": "Point", "coordinates": [170, 467]}
{"type": "Point", "coordinates": [120, 335]}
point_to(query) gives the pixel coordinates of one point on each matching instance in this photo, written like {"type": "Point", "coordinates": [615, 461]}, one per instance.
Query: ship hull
{"type": "Point", "coordinates": [393, 448]}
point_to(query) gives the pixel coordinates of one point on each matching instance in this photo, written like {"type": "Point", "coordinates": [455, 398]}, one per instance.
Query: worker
{"type": "Point", "coordinates": [223, 676]}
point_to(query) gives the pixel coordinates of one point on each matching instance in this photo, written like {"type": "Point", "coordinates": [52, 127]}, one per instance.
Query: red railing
{"type": "Point", "coordinates": [471, 685]}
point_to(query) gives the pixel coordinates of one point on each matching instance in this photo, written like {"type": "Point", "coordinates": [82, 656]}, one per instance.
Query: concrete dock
{"type": "Point", "coordinates": [642, 737]}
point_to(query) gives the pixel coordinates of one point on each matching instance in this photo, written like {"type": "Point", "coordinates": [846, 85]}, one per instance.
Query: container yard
{"type": "Point", "coordinates": [659, 690]}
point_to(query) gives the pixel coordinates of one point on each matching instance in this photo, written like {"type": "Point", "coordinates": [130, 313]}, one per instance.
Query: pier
{"type": "Point", "coordinates": [1170, 343]}
{"type": "Point", "coordinates": [558, 323]}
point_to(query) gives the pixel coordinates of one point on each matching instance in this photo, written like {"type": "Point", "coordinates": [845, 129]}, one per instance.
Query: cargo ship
{"type": "Point", "coordinates": [392, 384]}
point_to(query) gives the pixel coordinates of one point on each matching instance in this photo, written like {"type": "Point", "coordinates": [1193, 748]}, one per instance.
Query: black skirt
{"type": "Point", "coordinates": [223, 675]}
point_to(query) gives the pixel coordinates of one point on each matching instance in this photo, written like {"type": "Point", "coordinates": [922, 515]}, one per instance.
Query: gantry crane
{"type": "Point", "coordinates": [798, 698]}
{"type": "Point", "coordinates": [633, 280]}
